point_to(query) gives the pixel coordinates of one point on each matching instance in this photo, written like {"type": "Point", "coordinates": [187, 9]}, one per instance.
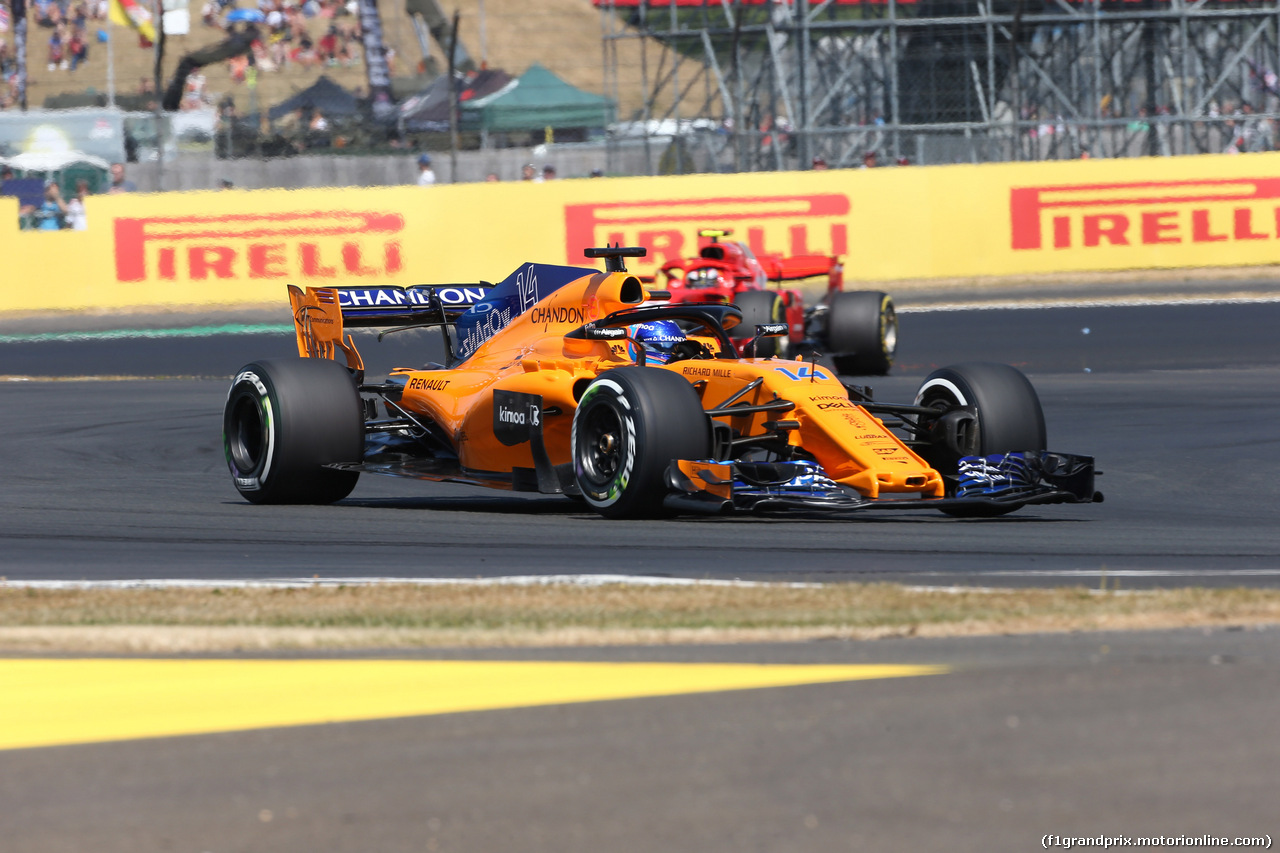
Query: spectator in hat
{"type": "Point", "coordinates": [426, 177]}
{"type": "Point", "coordinates": [548, 172]}
{"type": "Point", "coordinates": [819, 164]}
{"type": "Point", "coordinates": [869, 160]}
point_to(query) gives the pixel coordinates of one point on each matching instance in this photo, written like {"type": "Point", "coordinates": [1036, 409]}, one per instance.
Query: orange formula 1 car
{"type": "Point", "coordinates": [562, 380]}
{"type": "Point", "coordinates": [858, 329]}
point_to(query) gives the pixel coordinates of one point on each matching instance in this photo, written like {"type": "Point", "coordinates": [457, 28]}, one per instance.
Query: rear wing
{"type": "Point", "coordinates": [798, 267]}
{"type": "Point", "coordinates": [321, 314]}
{"type": "Point", "coordinates": [480, 310]}
{"type": "Point", "coordinates": [389, 305]}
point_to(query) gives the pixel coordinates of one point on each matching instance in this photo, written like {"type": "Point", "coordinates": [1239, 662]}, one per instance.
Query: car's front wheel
{"type": "Point", "coordinates": [1001, 414]}
{"type": "Point", "coordinates": [284, 420]}
{"type": "Point", "coordinates": [629, 425]}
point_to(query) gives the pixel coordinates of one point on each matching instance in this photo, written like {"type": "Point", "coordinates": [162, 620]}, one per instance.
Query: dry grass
{"type": "Point", "coordinates": [468, 615]}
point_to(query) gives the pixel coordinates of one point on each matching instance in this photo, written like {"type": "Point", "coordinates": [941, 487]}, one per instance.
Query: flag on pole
{"type": "Point", "coordinates": [4, 19]}
{"type": "Point", "coordinates": [131, 13]}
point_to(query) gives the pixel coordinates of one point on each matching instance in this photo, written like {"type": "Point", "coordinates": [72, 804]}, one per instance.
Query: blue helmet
{"type": "Point", "coordinates": [658, 339]}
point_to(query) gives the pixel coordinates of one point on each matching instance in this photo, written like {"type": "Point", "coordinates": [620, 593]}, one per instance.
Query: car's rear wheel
{"type": "Point", "coordinates": [759, 307]}
{"type": "Point", "coordinates": [1007, 417]}
{"type": "Point", "coordinates": [862, 332]}
{"type": "Point", "coordinates": [629, 425]}
{"type": "Point", "coordinates": [284, 420]}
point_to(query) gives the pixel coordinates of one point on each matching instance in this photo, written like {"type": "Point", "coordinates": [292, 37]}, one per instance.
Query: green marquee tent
{"type": "Point", "coordinates": [539, 100]}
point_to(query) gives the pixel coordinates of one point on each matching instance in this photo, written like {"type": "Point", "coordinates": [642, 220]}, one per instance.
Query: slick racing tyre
{"type": "Point", "coordinates": [1007, 417]}
{"type": "Point", "coordinates": [862, 332]}
{"type": "Point", "coordinates": [285, 419]}
{"type": "Point", "coordinates": [760, 306]}
{"type": "Point", "coordinates": [629, 425]}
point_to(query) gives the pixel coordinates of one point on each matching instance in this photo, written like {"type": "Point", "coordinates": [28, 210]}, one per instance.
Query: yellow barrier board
{"type": "Point", "coordinates": [241, 247]}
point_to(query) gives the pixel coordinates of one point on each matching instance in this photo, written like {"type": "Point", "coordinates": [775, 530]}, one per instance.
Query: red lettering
{"type": "Point", "coordinates": [131, 259]}
{"type": "Point", "coordinates": [839, 239]}
{"type": "Point", "coordinates": [266, 260]}
{"type": "Point", "coordinates": [1154, 227]}
{"type": "Point", "coordinates": [200, 263]}
{"type": "Point", "coordinates": [1200, 232]}
{"type": "Point", "coordinates": [1244, 225]}
{"type": "Point", "coordinates": [168, 263]}
{"type": "Point", "coordinates": [311, 266]}
{"type": "Point", "coordinates": [585, 222]}
{"type": "Point", "coordinates": [668, 243]}
{"type": "Point", "coordinates": [352, 262]}
{"type": "Point", "coordinates": [1062, 232]}
{"type": "Point", "coordinates": [799, 240]}
{"type": "Point", "coordinates": [192, 235]}
{"type": "Point", "coordinates": [1113, 226]}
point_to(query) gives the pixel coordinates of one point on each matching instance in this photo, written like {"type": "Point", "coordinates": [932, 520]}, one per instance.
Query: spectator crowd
{"type": "Point", "coordinates": [283, 34]}
{"type": "Point", "coordinates": [54, 212]}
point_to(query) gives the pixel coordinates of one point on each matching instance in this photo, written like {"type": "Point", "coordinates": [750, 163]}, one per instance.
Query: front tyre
{"type": "Point", "coordinates": [283, 421]}
{"type": "Point", "coordinates": [1003, 416]}
{"type": "Point", "coordinates": [630, 423]}
{"type": "Point", "coordinates": [758, 308]}
{"type": "Point", "coordinates": [862, 332]}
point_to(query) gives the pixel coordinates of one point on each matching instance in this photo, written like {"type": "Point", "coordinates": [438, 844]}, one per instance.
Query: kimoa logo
{"type": "Point", "coordinates": [305, 244]}
{"type": "Point", "coordinates": [668, 229]}
{"type": "Point", "coordinates": [510, 416]}
{"type": "Point", "coordinates": [1145, 213]}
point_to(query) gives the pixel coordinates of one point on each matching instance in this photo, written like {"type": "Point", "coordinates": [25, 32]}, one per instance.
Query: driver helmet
{"type": "Point", "coordinates": [658, 338]}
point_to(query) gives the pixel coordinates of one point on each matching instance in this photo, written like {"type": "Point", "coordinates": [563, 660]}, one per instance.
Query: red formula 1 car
{"type": "Point", "coordinates": [857, 329]}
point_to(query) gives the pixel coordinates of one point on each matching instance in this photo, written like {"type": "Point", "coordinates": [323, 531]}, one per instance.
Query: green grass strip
{"type": "Point", "coordinates": [148, 334]}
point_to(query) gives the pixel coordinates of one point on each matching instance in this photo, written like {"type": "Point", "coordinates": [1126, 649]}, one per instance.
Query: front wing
{"type": "Point", "coordinates": [996, 484]}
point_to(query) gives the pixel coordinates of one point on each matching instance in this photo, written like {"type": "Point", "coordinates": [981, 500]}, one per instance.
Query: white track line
{"type": "Point", "coordinates": [304, 583]}
{"type": "Point", "coordinates": [1117, 302]}
{"type": "Point", "coordinates": [1117, 573]}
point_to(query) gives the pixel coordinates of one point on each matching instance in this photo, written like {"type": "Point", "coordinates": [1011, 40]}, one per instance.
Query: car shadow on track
{"type": "Point", "coordinates": [566, 508]}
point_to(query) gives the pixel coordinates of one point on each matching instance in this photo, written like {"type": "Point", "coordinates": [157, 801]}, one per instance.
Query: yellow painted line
{"type": "Point", "coordinates": [54, 702]}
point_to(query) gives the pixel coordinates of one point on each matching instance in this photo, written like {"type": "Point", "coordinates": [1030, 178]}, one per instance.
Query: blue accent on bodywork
{"type": "Point", "coordinates": [510, 298]}
{"type": "Point", "coordinates": [995, 474]}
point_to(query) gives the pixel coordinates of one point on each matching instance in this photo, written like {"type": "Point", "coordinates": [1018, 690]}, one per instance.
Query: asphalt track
{"type": "Point", "coordinates": [1178, 403]}
{"type": "Point", "coordinates": [1123, 735]}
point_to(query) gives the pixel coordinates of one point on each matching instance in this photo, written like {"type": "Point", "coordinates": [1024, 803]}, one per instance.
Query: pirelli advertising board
{"type": "Point", "coordinates": [237, 248]}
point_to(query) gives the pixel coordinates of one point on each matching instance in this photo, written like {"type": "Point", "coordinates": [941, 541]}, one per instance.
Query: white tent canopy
{"type": "Point", "coordinates": [52, 161]}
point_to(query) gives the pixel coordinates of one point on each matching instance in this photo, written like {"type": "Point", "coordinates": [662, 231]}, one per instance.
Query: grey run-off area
{"type": "Point", "coordinates": [1178, 403]}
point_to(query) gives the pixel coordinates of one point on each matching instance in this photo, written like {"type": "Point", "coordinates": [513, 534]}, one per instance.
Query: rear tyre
{"type": "Point", "coordinates": [284, 420]}
{"type": "Point", "coordinates": [630, 423]}
{"type": "Point", "coordinates": [862, 332]}
{"type": "Point", "coordinates": [1008, 417]}
{"type": "Point", "coordinates": [758, 307]}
